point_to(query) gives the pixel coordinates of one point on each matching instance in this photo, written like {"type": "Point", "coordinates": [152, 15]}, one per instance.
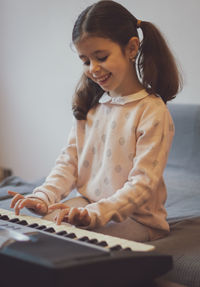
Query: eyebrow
{"type": "Point", "coordinates": [95, 52]}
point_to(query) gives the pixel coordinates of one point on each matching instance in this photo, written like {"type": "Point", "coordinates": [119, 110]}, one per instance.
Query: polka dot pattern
{"type": "Point", "coordinates": [118, 168]}
{"type": "Point", "coordinates": [86, 163]}
{"type": "Point", "coordinates": [103, 138]}
{"type": "Point", "coordinates": [130, 156]}
{"type": "Point", "coordinates": [122, 141]}
{"type": "Point", "coordinates": [106, 180]}
{"type": "Point", "coordinates": [111, 158]}
{"type": "Point", "coordinates": [155, 163]}
{"type": "Point", "coordinates": [108, 153]}
{"type": "Point", "coordinates": [113, 124]}
{"type": "Point", "coordinates": [94, 150]}
{"type": "Point", "coordinates": [97, 192]}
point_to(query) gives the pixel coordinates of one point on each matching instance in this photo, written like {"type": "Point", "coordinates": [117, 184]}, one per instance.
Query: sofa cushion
{"type": "Point", "coordinates": [185, 150]}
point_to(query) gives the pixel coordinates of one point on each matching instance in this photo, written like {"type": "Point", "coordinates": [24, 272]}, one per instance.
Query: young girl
{"type": "Point", "coordinates": [118, 146]}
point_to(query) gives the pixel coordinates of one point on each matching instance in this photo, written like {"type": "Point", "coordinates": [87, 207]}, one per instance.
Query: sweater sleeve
{"type": "Point", "coordinates": [154, 136]}
{"type": "Point", "coordinates": [63, 177]}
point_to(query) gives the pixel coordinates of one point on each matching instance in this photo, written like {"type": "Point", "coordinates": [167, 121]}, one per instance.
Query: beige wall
{"type": "Point", "coordinates": [38, 72]}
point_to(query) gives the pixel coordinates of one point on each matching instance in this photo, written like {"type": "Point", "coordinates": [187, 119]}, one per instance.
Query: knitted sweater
{"type": "Point", "coordinates": [116, 158]}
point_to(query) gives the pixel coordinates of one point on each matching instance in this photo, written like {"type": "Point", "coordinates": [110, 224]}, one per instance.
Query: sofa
{"type": "Point", "coordinates": [182, 176]}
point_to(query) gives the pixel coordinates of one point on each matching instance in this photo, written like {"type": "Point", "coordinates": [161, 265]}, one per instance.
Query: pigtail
{"type": "Point", "coordinates": [156, 65]}
{"type": "Point", "coordinates": [86, 96]}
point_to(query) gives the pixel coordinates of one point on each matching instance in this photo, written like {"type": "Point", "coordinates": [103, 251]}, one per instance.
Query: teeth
{"type": "Point", "coordinates": [103, 78]}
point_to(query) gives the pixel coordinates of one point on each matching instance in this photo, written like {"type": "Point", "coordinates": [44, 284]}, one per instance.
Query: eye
{"type": "Point", "coordinates": [86, 63]}
{"type": "Point", "coordinates": [102, 59]}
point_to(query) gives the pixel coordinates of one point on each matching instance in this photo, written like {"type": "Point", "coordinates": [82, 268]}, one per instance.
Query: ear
{"type": "Point", "coordinates": [132, 47]}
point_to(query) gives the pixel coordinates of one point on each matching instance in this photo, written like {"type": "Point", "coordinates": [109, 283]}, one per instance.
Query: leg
{"type": "Point", "coordinates": [128, 229]}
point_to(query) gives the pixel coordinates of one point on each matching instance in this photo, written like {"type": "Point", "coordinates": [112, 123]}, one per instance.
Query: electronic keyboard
{"type": "Point", "coordinates": [37, 252]}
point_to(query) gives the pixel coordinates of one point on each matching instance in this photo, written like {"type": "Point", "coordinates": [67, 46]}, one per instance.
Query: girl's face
{"type": "Point", "coordinates": [106, 64]}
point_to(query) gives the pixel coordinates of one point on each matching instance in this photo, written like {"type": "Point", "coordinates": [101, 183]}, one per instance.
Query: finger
{"type": "Point", "coordinates": [15, 199]}
{"type": "Point", "coordinates": [35, 204]}
{"type": "Point", "coordinates": [63, 214]}
{"type": "Point", "coordinates": [84, 218]}
{"type": "Point", "coordinates": [73, 216]}
{"type": "Point", "coordinates": [57, 206]}
{"type": "Point", "coordinates": [16, 207]}
{"type": "Point", "coordinates": [13, 193]}
{"type": "Point", "coordinates": [83, 213]}
{"type": "Point", "coordinates": [42, 207]}
{"type": "Point", "coordinates": [39, 205]}
{"type": "Point", "coordinates": [28, 202]}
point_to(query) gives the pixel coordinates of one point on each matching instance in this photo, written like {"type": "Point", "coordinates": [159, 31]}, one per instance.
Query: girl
{"type": "Point", "coordinates": [118, 146]}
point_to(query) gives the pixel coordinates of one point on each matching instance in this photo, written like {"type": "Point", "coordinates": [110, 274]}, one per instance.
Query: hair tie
{"type": "Point", "coordinates": [138, 23]}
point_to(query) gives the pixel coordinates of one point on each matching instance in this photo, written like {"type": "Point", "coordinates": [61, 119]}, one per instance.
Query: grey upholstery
{"type": "Point", "coordinates": [182, 176]}
{"type": "Point", "coordinates": [185, 151]}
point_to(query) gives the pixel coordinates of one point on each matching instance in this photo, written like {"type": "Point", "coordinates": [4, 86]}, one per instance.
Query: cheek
{"type": "Point", "coordinates": [114, 65]}
{"type": "Point", "coordinates": [120, 68]}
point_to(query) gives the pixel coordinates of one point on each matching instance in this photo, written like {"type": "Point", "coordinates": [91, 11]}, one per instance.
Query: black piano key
{"type": "Point", "coordinates": [4, 217]}
{"type": "Point", "coordinates": [102, 243]}
{"type": "Point", "coordinates": [49, 229]}
{"type": "Point", "coordinates": [61, 233]}
{"type": "Point", "coordinates": [22, 222]}
{"type": "Point", "coordinates": [33, 225]}
{"type": "Point", "coordinates": [84, 238]}
{"type": "Point", "coordinates": [41, 227]}
{"type": "Point", "coordinates": [70, 235]}
{"type": "Point", "coordinates": [93, 241]}
{"type": "Point", "coordinates": [14, 220]}
{"type": "Point", "coordinates": [127, 249]}
{"type": "Point", "coordinates": [116, 248]}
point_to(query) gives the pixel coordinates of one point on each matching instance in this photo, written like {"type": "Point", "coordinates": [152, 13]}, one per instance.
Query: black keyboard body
{"type": "Point", "coordinates": [53, 261]}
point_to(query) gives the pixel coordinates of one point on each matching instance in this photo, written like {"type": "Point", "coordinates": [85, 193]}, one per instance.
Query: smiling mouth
{"type": "Point", "coordinates": [103, 80]}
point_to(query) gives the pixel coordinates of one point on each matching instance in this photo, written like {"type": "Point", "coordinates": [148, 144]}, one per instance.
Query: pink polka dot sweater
{"type": "Point", "coordinates": [116, 160]}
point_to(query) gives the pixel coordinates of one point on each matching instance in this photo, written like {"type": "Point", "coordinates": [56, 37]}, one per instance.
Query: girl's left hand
{"type": "Point", "coordinates": [72, 215]}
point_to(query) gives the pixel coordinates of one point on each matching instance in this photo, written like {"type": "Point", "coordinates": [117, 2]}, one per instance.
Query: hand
{"type": "Point", "coordinates": [19, 201]}
{"type": "Point", "coordinates": [72, 215]}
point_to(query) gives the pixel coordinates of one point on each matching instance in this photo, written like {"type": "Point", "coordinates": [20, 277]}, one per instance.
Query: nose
{"type": "Point", "coordinates": [94, 67]}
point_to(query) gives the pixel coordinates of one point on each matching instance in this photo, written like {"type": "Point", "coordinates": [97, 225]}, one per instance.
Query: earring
{"type": "Point", "coordinates": [132, 59]}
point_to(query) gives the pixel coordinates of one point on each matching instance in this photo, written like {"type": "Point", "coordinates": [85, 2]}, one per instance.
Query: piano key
{"type": "Point", "coordinates": [93, 241]}
{"type": "Point", "coordinates": [103, 244]}
{"type": "Point", "coordinates": [33, 225]}
{"type": "Point", "coordinates": [84, 238]}
{"type": "Point", "coordinates": [61, 233]}
{"type": "Point", "coordinates": [50, 230]}
{"type": "Point", "coordinates": [70, 235]}
{"type": "Point", "coordinates": [110, 240]}
{"type": "Point", "coordinates": [22, 222]}
{"type": "Point", "coordinates": [14, 220]}
{"type": "Point", "coordinates": [41, 227]}
{"type": "Point", "coordinates": [116, 248]}
{"type": "Point", "coordinates": [4, 217]}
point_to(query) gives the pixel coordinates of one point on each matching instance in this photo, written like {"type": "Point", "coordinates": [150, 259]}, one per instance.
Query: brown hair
{"type": "Point", "coordinates": [155, 63]}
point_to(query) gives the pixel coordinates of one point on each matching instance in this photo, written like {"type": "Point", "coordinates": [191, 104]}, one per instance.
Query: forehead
{"type": "Point", "coordinates": [89, 45]}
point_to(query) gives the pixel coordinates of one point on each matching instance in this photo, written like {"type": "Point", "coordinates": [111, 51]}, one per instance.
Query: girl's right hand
{"type": "Point", "coordinates": [19, 201]}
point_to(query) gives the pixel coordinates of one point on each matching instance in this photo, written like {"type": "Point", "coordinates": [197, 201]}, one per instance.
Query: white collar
{"type": "Point", "coordinates": [105, 98]}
